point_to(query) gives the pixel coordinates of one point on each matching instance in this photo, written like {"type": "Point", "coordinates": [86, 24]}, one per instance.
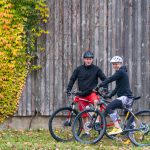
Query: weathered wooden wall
{"type": "Point", "coordinates": [108, 27]}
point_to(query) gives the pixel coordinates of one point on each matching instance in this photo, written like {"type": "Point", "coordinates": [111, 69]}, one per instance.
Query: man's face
{"type": "Point", "coordinates": [116, 65]}
{"type": "Point", "coordinates": [88, 61]}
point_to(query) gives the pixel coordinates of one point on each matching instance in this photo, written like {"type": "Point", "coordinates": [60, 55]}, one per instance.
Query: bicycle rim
{"type": "Point", "coordinates": [95, 134]}
{"type": "Point", "coordinates": [60, 124]}
{"type": "Point", "coordinates": [141, 135]}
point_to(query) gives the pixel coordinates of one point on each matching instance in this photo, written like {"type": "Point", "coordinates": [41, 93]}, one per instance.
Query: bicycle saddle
{"type": "Point", "coordinates": [136, 97]}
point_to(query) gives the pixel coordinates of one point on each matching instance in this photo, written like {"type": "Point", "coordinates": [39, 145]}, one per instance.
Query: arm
{"type": "Point", "coordinates": [114, 77]}
{"type": "Point", "coordinates": [72, 80]}
{"type": "Point", "coordinates": [102, 76]}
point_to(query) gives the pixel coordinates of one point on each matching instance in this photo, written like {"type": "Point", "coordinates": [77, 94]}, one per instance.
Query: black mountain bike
{"type": "Point", "coordinates": [61, 121]}
{"type": "Point", "coordinates": [139, 134]}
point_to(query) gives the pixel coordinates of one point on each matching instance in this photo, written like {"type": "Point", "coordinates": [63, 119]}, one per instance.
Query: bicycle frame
{"type": "Point", "coordinates": [126, 121]}
{"type": "Point", "coordinates": [78, 99]}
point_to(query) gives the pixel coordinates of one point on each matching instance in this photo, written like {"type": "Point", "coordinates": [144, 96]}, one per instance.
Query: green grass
{"type": "Point", "coordinates": [42, 140]}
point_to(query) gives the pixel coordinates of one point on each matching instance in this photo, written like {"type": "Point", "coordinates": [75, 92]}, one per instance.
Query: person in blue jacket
{"type": "Point", "coordinates": [122, 90]}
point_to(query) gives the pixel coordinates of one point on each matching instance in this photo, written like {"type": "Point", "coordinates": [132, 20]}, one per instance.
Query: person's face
{"type": "Point", "coordinates": [88, 61]}
{"type": "Point", "coordinates": [116, 65]}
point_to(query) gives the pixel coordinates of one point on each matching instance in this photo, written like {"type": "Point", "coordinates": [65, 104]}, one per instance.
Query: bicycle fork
{"type": "Point", "coordinates": [69, 116]}
{"type": "Point", "coordinates": [92, 120]}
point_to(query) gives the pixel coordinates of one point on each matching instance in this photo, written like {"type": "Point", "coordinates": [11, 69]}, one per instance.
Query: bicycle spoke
{"type": "Point", "coordinates": [141, 135]}
{"type": "Point", "coordinates": [60, 124]}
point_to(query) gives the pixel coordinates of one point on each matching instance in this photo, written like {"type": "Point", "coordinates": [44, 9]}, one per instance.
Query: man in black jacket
{"type": "Point", "coordinates": [122, 90]}
{"type": "Point", "coordinates": [87, 76]}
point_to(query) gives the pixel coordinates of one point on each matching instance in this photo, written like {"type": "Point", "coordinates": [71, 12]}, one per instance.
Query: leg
{"type": "Point", "coordinates": [113, 105]}
{"type": "Point", "coordinates": [113, 115]}
{"type": "Point", "coordinates": [97, 123]}
{"type": "Point", "coordinates": [82, 105]}
{"type": "Point", "coordinates": [93, 99]}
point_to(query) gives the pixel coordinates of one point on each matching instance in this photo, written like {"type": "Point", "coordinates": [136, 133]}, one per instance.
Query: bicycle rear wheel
{"type": "Point", "coordinates": [140, 136]}
{"type": "Point", "coordinates": [95, 129]}
{"type": "Point", "coordinates": [60, 124]}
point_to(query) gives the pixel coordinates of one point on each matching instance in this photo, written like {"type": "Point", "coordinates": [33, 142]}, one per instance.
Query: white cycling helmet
{"type": "Point", "coordinates": [116, 59]}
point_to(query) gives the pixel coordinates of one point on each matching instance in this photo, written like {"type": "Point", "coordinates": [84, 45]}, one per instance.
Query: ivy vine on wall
{"type": "Point", "coordinates": [19, 28]}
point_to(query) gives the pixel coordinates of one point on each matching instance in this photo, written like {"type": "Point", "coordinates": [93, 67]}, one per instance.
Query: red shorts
{"type": "Point", "coordinates": [90, 98]}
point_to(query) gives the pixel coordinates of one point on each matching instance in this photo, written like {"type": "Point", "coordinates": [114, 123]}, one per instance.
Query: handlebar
{"type": "Point", "coordinates": [102, 91]}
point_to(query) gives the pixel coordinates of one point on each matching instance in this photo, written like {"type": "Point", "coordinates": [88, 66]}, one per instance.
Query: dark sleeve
{"type": "Point", "coordinates": [102, 76]}
{"type": "Point", "coordinates": [72, 80]}
{"type": "Point", "coordinates": [114, 77]}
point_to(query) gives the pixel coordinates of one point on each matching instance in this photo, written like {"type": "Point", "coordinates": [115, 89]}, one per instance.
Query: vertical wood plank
{"type": "Point", "coordinates": [139, 27]}
{"type": "Point", "coordinates": [144, 54]}
{"type": "Point", "coordinates": [74, 33]}
{"type": "Point", "coordinates": [101, 36]}
{"type": "Point", "coordinates": [51, 39]}
{"type": "Point", "coordinates": [91, 25]}
{"type": "Point", "coordinates": [58, 57]}
{"type": "Point", "coordinates": [28, 95]}
{"type": "Point", "coordinates": [67, 41]}
{"type": "Point", "coordinates": [42, 89]}
{"type": "Point", "coordinates": [33, 93]}
{"type": "Point", "coordinates": [148, 53]}
{"type": "Point", "coordinates": [106, 36]}
{"type": "Point", "coordinates": [109, 55]}
{"type": "Point", "coordinates": [47, 70]}
{"type": "Point", "coordinates": [113, 28]}
{"type": "Point", "coordinates": [79, 32]}
{"type": "Point", "coordinates": [125, 32]}
{"type": "Point", "coordinates": [85, 24]}
{"type": "Point", "coordinates": [130, 43]}
{"type": "Point", "coordinates": [96, 29]}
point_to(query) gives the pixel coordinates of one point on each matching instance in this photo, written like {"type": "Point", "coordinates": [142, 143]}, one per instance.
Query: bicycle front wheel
{"type": "Point", "coordinates": [60, 124]}
{"type": "Point", "coordinates": [93, 126]}
{"type": "Point", "coordinates": [140, 136]}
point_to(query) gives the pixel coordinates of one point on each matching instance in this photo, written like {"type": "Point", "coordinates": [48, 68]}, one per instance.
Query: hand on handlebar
{"type": "Point", "coordinates": [68, 93]}
{"type": "Point", "coordinates": [107, 96]}
{"type": "Point", "coordinates": [79, 93]}
{"type": "Point", "coordinates": [95, 89]}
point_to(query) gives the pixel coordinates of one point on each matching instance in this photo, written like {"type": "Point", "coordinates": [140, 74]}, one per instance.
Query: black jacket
{"type": "Point", "coordinates": [122, 83]}
{"type": "Point", "coordinates": [87, 77]}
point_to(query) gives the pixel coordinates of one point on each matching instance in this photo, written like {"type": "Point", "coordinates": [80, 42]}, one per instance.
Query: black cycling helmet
{"type": "Point", "coordinates": [88, 54]}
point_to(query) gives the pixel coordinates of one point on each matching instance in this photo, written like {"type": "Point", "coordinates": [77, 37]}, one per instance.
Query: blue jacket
{"type": "Point", "coordinates": [122, 83]}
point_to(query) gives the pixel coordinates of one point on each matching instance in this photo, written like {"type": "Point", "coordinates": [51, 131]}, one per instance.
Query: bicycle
{"type": "Point", "coordinates": [60, 123]}
{"type": "Point", "coordinates": [139, 135]}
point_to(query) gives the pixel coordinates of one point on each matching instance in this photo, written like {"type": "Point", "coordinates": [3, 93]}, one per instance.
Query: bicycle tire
{"type": "Point", "coordinates": [97, 135]}
{"type": "Point", "coordinates": [57, 129]}
{"type": "Point", "coordinates": [141, 136]}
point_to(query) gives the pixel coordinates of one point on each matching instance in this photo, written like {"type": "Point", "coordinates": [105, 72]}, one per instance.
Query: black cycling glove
{"type": "Point", "coordinates": [68, 93]}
